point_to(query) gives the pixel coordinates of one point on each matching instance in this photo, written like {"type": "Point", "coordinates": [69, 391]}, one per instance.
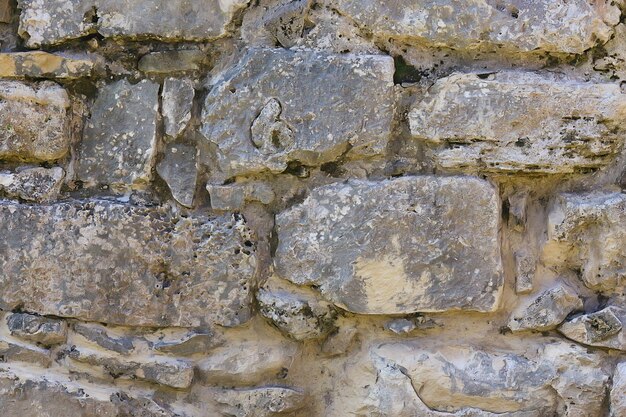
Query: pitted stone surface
{"type": "Point", "coordinates": [547, 310]}
{"type": "Point", "coordinates": [520, 122]}
{"type": "Point", "coordinates": [277, 106]}
{"type": "Point", "coordinates": [129, 265]}
{"type": "Point", "coordinates": [604, 328]}
{"type": "Point", "coordinates": [517, 25]}
{"type": "Point", "coordinates": [41, 185]}
{"type": "Point", "coordinates": [43, 330]}
{"type": "Point", "coordinates": [34, 121]}
{"type": "Point", "coordinates": [398, 246]}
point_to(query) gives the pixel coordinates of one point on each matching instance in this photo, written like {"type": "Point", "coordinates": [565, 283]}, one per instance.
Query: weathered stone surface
{"type": "Point", "coordinates": [563, 380]}
{"type": "Point", "coordinates": [340, 341]}
{"type": "Point", "coordinates": [518, 203]}
{"type": "Point", "coordinates": [129, 265]}
{"type": "Point", "coordinates": [618, 392]}
{"type": "Point", "coordinates": [520, 122]}
{"type": "Point", "coordinates": [298, 313]}
{"type": "Point", "coordinates": [232, 197]}
{"type": "Point", "coordinates": [248, 362]}
{"type": "Point", "coordinates": [172, 373]}
{"type": "Point", "coordinates": [10, 352]}
{"type": "Point", "coordinates": [546, 311]}
{"type": "Point", "coordinates": [98, 335]}
{"type": "Point", "coordinates": [33, 184]}
{"type": "Point", "coordinates": [517, 25]}
{"type": "Point", "coordinates": [191, 344]}
{"type": "Point", "coordinates": [178, 169]}
{"type": "Point", "coordinates": [369, 246]}
{"type": "Point", "coordinates": [525, 266]}
{"type": "Point", "coordinates": [119, 142]}
{"type": "Point", "coordinates": [43, 330]}
{"type": "Point", "coordinates": [172, 61]}
{"type": "Point", "coordinates": [39, 64]}
{"type": "Point", "coordinates": [408, 325]}
{"type": "Point", "coordinates": [285, 21]}
{"type": "Point", "coordinates": [258, 402]}
{"type": "Point", "coordinates": [177, 101]}
{"type": "Point", "coordinates": [6, 11]}
{"type": "Point", "coordinates": [594, 226]}
{"type": "Point", "coordinates": [55, 21]}
{"type": "Point", "coordinates": [34, 121]}
{"type": "Point", "coordinates": [277, 106]}
{"type": "Point", "coordinates": [603, 328]}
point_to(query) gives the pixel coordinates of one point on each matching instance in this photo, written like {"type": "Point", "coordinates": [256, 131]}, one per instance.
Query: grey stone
{"type": "Point", "coordinates": [296, 312]}
{"type": "Point", "coordinates": [172, 61]}
{"type": "Point", "coordinates": [232, 197]}
{"type": "Point", "coordinates": [520, 122]}
{"type": "Point", "coordinates": [52, 22]}
{"type": "Point", "coordinates": [136, 266]}
{"type": "Point", "coordinates": [603, 328]}
{"type": "Point", "coordinates": [177, 102]}
{"type": "Point", "coordinates": [40, 64]}
{"type": "Point", "coordinates": [172, 373]}
{"type": "Point", "coordinates": [34, 121]}
{"type": "Point", "coordinates": [10, 352]}
{"type": "Point", "coordinates": [525, 266]}
{"type": "Point", "coordinates": [98, 335]}
{"type": "Point", "coordinates": [398, 246]}
{"type": "Point", "coordinates": [178, 169]}
{"type": "Point", "coordinates": [562, 379]}
{"type": "Point", "coordinates": [585, 223]}
{"type": "Point", "coordinates": [546, 311]}
{"type": "Point", "coordinates": [191, 344]}
{"type": "Point", "coordinates": [408, 325]}
{"type": "Point", "coordinates": [277, 106]}
{"type": "Point", "coordinates": [514, 26]}
{"type": "Point", "coordinates": [258, 402]}
{"type": "Point", "coordinates": [43, 330]}
{"type": "Point", "coordinates": [119, 143]}
{"type": "Point", "coordinates": [285, 21]}
{"type": "Point", "coordinates": [40, 185]}
{"type": "Point", "coordinates": [618, 392]}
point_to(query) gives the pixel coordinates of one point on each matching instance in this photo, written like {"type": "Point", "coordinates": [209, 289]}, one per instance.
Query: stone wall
{"type": "Point", "coordinates": [306, 208]}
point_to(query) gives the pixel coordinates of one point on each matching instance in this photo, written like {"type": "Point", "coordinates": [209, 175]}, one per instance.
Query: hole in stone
{"type": "Point", "coordinates": [405, 73]}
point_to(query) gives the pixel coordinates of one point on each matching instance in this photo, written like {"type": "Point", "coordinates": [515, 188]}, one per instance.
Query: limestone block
{"type": "Point", "coordinates": [546, 311]}
{"type": "Point", "coordinates": [40, 185]}
{"type": "Point", "coordinates": [602, 328]}
{"type": "Point", "coordinates": [177, 98]}
{"type": "Point", "coordinates": [179, 170]}
{"type": "Point", "coordinates": [43, 330]}
{"type": "Point", "coordinates": [39, 64]}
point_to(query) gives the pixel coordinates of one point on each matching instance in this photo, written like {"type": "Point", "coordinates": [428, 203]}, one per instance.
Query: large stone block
{"type": "Point", "coordinates": [34, 121]}
{"type": "Point", "coordinates": [51, 22]}
{"type": "Point", "coordinates": [398, 246]}
{"type": "Point", "coordinates": [520, 122]}
{"type": "Point", "coordinates": [277, 106]}
{"type": "Point", "coordinates": [593, 225]}
{"type": "Point", "coordinates": [119, 142]}
{"type": "Point", "coordinates": [115, 263]}
{"type": "Point", "coordinates": [517, 25]}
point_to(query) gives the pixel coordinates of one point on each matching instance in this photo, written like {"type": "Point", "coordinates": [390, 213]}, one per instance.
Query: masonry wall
{"type": "Point", "coordinates": [312, 208]}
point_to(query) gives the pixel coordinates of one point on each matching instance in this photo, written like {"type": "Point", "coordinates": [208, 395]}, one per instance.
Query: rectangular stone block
{"type": "Point", "coordinates": [277, 106]}
{"type": "Point", "coordinates": [400, 246]}
{"type": "Point", "coordinates": [515, 25]}
{"type": "Point", "coordinates": [39, 64]}
{"type": "Point", "coordinates": [520, 122]}
{"type": "Point", "coordinates": [34, 121]}
{"type": "Point", "coordinates": [115, 263]}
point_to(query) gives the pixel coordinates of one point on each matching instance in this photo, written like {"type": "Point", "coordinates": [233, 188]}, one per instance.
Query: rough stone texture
{"type": "Point", "coordinates": [6, 11]}
{"type": "Point", "coordinates": [33, 184]}
{"type": "Point", "coordinates": [259, 402]}
{"type": "Point", "coordinates": [99, 336]}
{"type": "Point", "coordinates": [519, 25]}
{"type": "Point", "coordinates": [177, 98]}
{"type": "Point", "coordinates": [192, 344]}
{"type": "Point", "coordinates": [172, 61]}
{"type": "Point", "coordinates": [618, 392]}
{"type": "Point", "coordinates": [233, 197]}
{"type": "Point", "coordinates": [119, 143]}
{"type": "Point", "coordinates": [603, 328]}
{"type": "Point", "coordinates": [34, 121]}
{"type": "Point", "coordinates": [43, 330]}
{"type": "Point", "coordinates": [525, 265]}
{"type": "Point", "coordinates": [38, 64]}
{"type": "Point", "coordinates": [370, 263]}
{"type": "Point", "coordinates": [51, 22]}
{"type": "Point", "coordinates": [277, 106]}
{"type": "Point", "coordinates": [520, 122]}
{"type": "Point", "coordinates": [129, 265]}
{"type": "Point", "coordinates": [593, 224]}
{"type": "Point", "coordinates": [546, 311]}
{"type": "Point", "coordinates": [178, 170]}
{"type": "Point", "coordinates": [10, 352]}
{"type": "Point", "coordinates": [286, 21]}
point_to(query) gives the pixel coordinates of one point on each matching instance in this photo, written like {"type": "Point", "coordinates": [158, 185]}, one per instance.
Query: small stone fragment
{"type": "Point", "coordinates": [525, 265]}
{"type": "Point", "coordinates": [618, 392]}
{"type": "Point", "coordinates": [286, 21]}
{"type": "Point", "coordinates": [408, 325]}
{"type": "Point", "coordinates": [39, 64]}
{"type": "Point", "coordinates": [191, 344]}
{"type": "Point", "coordinates": [34, 121]}
{"type": "Point", "coordinates": [177, 101]}
{"type": "Point", "coordinates": [517, 210]}
{"type": "Point", "coordinates": [178, 169]}
{"type": "Point", "coordinates": [521, 122]}
{"type": "Point", "coordinates": [172, 61]}
{"type": "Point", "coordinates": [41, 185]}
{"type": "Point", "coordinates": [546, 311]}
{"type": "Point", "coordinates": [248, 362]}
{"type": "Point", "coordinates": [368, 245]}
{"type": "Point", "coordinates": [258, 402]}
{"type": "Point", "coordinates": [10, 352]}
{"type": "Point", "coordinates": [257, 118]}
{"type": "Point", "coordinates": [37, 329]}
{"type": "Point", "coordinates": [98, 335]}
{"type": "Point", "coordinates": [6, 11]}
{"type": "Point", "coordinates": [232, 197]}
{"type": "Point", "coordinates": [119, 143]}
{"type": "Point", "coordinates": [295, 311]}
{"type": "Point", "coordinates": [603, 328]}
